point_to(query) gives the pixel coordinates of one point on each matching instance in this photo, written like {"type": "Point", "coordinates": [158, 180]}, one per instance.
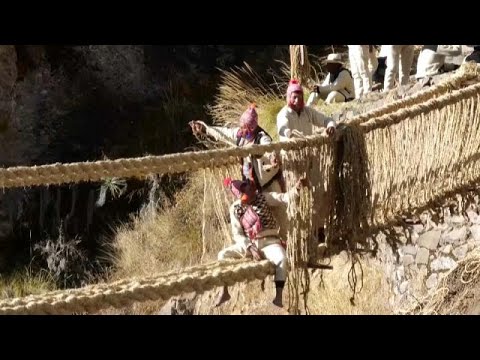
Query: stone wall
{"type": "Point", "coordinates": [416, 256]}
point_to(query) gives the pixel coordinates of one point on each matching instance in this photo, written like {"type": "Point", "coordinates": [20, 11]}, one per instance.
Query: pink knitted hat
{"type": "Point", "coordinates": [293, 86]}
{"type": "Point", "coordinates": [250, 117]}
{"type": "Point", "coordinates": [234, 186]}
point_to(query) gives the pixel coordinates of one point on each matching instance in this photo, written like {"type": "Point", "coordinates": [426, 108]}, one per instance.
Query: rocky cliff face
{"type": "Point", "coordinates": [8, 77]}
{"type": "Point", "coordinates": [72, 103]}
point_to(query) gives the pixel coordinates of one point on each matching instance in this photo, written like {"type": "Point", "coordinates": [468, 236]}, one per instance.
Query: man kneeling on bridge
{"type": "Point", "coordinates": [255, 230]}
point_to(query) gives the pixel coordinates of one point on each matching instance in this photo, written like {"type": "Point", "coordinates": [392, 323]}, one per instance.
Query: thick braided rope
{"type": "Point", "coordinates": [126, 292]}
{"type": "Point", "coordinates": [434, 151]}
{"type": "Point", "coordinates": [436, 303]}
{"type": "Point", "coordinates": [424, 108]}
{"type": "Point", "coordinates": [56, 174]}
{"type": "Point", "coordinates": [455, 82]}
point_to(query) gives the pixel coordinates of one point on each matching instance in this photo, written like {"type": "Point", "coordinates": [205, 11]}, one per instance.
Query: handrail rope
{"type": "Point", "coordinates": [123, 293]}
{"type": "Point", "coordinates": [55, 174]}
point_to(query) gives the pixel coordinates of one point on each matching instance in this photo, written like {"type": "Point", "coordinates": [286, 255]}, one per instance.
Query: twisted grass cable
{"type": "Point", "coordinates": [123, 293]}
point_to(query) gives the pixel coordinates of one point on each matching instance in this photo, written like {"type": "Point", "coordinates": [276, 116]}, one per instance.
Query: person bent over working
{"type": "Point", "coordinates": [255, 231]}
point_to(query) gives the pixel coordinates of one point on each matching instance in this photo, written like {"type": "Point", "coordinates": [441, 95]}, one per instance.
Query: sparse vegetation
{"type": "Point", "coordinates": [331, 296]}
{"type": "Point", "coordinates": [162, 239]}
{"type": "Point", "coordinates": [238, 88]}
{"type": "Point", "coordinates": [25, 282]}
{"type": "Point", "coordinates": [67, 263]}
{"type": "Point", "coordinates": [116, 187]}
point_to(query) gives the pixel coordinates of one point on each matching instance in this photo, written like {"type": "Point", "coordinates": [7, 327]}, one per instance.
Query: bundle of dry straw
{"type": "Point", "coordinates": [300, 68]}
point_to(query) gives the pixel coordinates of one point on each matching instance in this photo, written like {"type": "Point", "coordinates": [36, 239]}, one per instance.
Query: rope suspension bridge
{"type": "Point", "coordinates": [384, 162]}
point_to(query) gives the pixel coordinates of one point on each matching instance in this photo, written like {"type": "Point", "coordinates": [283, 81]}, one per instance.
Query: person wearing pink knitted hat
{"type": "Point", "coordinates": [296, 119]}
{"type": "Point", "coordinates": [263, 171]}
{"type": "Point", "coordinates": [255, 230]}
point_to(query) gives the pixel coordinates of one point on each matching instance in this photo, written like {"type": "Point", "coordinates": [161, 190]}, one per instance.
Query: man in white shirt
{"type": "Point", "coordinates": [296, 118]}
{"type": "Point", "coordinates": [264, 170]}
{"type": "Point", "coordinates": [337, 86]}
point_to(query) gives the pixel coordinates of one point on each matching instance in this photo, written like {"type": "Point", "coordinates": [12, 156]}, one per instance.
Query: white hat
{"type": "Point", "coordinates": [334, 59]}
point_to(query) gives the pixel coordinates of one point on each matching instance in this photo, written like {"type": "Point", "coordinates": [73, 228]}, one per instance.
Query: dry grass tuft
{"type": "Point", "coordinates": [164, 239]}
{"type": "Point", "coordinates": [24, 283]}
{"type": "Point", "coordinates": [331, 295]}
